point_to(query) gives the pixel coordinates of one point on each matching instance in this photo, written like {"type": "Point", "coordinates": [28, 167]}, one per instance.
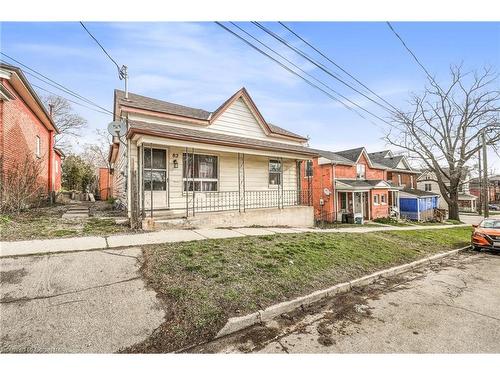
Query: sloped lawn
{"type": "Point", "coordinates": [47, 222]}
{"type": "Point", "coordinates": [203, 283]}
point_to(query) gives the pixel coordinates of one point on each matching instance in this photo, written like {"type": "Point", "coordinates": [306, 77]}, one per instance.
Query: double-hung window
{"type": "Point", "coordinates": [428, 187]}
{"type": "Point", "coordinates": [309, 168]}
{"type": "Point", "coordinates": [360, 171]}
{"type": "Point", "coordinates": [274, 172]}
{"type": "Point", "coordinates": [375, 199]}
{"type": "Point", "coordinates": [200, 172]}
{"type": "Point", "coordinates": [155, 174]}
{"type": "Point", "coordinates": [343, 201]}
{"type": "Point", "coordinates": [382, 199]}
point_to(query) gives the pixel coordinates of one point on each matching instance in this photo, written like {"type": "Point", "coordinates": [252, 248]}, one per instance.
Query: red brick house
{"type": "Point", "coordinates": [355, 182]}
{"type": "Point", "coordinates": [26, 128]}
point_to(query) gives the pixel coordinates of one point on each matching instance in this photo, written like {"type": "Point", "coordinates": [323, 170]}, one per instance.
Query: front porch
{"type": "Point", "coordinates": [207, 186]}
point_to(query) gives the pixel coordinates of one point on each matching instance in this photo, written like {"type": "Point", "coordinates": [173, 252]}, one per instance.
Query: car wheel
{"type": "Point", "coordinates": [476, 248]}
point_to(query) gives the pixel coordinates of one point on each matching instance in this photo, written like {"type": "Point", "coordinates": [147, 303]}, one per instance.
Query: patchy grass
{"type": "Point", "coordinates": [46, 222]}
{"type": "Point", "coordinates": [203, 283]}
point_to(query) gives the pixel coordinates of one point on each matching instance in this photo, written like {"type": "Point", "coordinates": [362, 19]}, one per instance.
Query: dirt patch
{"type": "Point", "coordinates": [12, 276]}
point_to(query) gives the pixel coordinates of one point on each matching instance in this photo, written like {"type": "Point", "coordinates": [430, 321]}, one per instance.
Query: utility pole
{"type": "Point", "coordinates": [123, 74]}
{"type": "Point", "coordinates": [479, 180]}
{"type": "Point", "coordinates": [485, 176]}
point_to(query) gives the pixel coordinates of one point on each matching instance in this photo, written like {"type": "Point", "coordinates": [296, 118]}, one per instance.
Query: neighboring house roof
{"type": "Point", "coordinates": [200, 115]}
{"type": "Point", "coordinates": [390, 161]}
{"type": "Point", "coordinates": [370, 184]}
{"type": "Point", "coordinates": [22, 86]}
{"type": "Point", "coordinates": [189, 134]}
{"type": "Point", "coordinates": [333, 157]}
{"type": "Point", "coordinates": [466, 197]}
{"type": "Point", "coordinates": [59, 152]}
{"type": "Point", "coordinates": [351, 154]}
{"type": "Point", "coordinates": [419, 193]}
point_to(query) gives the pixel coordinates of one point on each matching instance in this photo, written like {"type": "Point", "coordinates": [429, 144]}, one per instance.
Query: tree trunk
{"type": "Point", "coordinates": [453, 213]}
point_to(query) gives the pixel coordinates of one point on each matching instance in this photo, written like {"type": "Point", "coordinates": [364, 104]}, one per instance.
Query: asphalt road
{"type": "Point", "coordinates": [75, 302]}
{"type": "Point", "coordinates": [453, 307]}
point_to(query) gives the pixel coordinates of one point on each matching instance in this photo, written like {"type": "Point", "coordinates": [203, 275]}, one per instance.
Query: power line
{"type": "Point", "coordinates": [297, 74]}
{"type": "Point", "coordinates": [413, 55]}
{"type": "Point", "coordinates": [55, 84]}
{"type": "Point", "coordinates": [297, 67]}
{"type": "Point", "coordinates": [69, 100]}
{"type": "Point", "coordinates": [319, 65]}
{"type": "Point", "coordinates": [337, 65]}
{"type": "Point", "coordinates": [120, 73]}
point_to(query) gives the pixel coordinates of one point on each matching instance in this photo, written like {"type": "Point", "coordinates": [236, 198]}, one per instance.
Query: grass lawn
{"type": "Point", "coordinates": [43, 223]}
{"type": "Point", "coordinates": [203, 283]}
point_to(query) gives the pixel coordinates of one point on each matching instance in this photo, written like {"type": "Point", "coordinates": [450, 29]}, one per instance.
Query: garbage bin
{"type": "Point", "coordinates": [358, 219]}
{"type": "Point", "coordinates": [350, 218]}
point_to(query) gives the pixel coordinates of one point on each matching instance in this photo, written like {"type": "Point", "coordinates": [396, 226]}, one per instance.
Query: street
{"type": "Point", "coordinates": [453, 307]}
{"type": "Point", "coordinates": [94, 302]}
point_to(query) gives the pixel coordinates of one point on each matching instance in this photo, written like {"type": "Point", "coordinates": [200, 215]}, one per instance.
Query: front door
{"type": "Point", "coordinates": [155, 176]}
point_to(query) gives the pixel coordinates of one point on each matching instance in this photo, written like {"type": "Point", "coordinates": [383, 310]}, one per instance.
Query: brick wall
{"type": "Point", "coordinates": [381, 209]}
{"type": "Point", "coordinates": [19, 129]}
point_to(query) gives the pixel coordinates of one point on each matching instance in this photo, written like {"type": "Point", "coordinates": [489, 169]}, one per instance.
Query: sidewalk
{"type": "Point", "coordinates": [20, 248]}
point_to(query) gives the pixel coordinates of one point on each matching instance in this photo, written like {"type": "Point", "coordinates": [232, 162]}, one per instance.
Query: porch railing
{"type": "Point", "coordinates": [250, 199]}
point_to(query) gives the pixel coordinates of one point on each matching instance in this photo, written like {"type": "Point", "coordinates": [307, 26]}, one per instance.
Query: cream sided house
{"type": "Point", "coordinates": [427, 181]}
{"type": "Point", "coordinates": [230, 167]}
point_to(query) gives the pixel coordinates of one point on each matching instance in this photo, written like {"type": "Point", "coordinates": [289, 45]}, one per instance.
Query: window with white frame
{"type": "Point", "coordinates": [428, 187]}
{"type": "Point", "coordinates": [360, 171]}
{"type": "Point", "coordinates": [343, 201]}
{"type": "Point", "coordinates": [274, 172]}
{"type": "Point", "coordinates": [38, 147]}
{"type": "Point", "coordinates": [399, 180]}
{"type": "Point", "coordinates": [200, 172]}
{"type": "Point", "coordinates": [375, 199]}
{"type": "Point", "coordinates": [411, 182]}
{"type": "Point", "coordinates": [383, 199]}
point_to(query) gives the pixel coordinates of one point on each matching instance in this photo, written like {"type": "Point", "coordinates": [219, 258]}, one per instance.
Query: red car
{"type": "Point", "coordinates": [486, 235]}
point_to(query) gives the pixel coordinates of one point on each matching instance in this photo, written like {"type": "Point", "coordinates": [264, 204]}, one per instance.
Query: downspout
{"type": "Point", "coordinates": [334, 193]}
{"type": "Point", "coordinates": [51, 161]}
{"type": "Point", "coordinates": [51, 155]}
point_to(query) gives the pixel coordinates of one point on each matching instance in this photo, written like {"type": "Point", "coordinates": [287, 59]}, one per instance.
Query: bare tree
{"type": "Point", "coordinates": [97, 152]}
{"type": "Point", "coordinates": [68, 122]}
{"type": "Point", "coordinates": [444, 128]}
{"type": "Point", "coordinates": [21, 185]}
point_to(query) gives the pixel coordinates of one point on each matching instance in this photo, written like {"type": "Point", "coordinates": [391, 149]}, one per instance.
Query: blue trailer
{"type": "Point", "coordinates": [417, 204]}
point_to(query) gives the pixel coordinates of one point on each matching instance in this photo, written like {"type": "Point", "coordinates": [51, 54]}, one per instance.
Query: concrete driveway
{"type": "Point", "coordinates": [449, 308]}
{"type": "Point", "coordinates": [76, 302]}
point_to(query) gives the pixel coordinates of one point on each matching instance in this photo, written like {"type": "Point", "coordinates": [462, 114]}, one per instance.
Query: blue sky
{"type": "Point", "coordinates": [200, 65]}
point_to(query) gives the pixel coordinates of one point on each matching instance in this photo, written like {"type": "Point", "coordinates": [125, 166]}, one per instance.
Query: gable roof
{"type": "Point", "coordinates": [334, 157]}
{"type": "Point", "coordinates": [390, 161]}
{"type": "Point", "coordinates": [189, 134]}
{"type": "Point", "coordinates": [22, 86]}
{"type": "Point", "coordinates": [204, 117]}
{"type": "Point", "coordinates": [352, 154]}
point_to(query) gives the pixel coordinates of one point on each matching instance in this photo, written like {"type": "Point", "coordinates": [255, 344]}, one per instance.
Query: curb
{"type": "Point", "coordinates": [241, 322]}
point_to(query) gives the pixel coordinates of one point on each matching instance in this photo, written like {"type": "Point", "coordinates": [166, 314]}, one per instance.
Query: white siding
{"type": "Point", "coordinates": [237, 120]}
{"type": "Point", "coordinates": [256, 175]}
